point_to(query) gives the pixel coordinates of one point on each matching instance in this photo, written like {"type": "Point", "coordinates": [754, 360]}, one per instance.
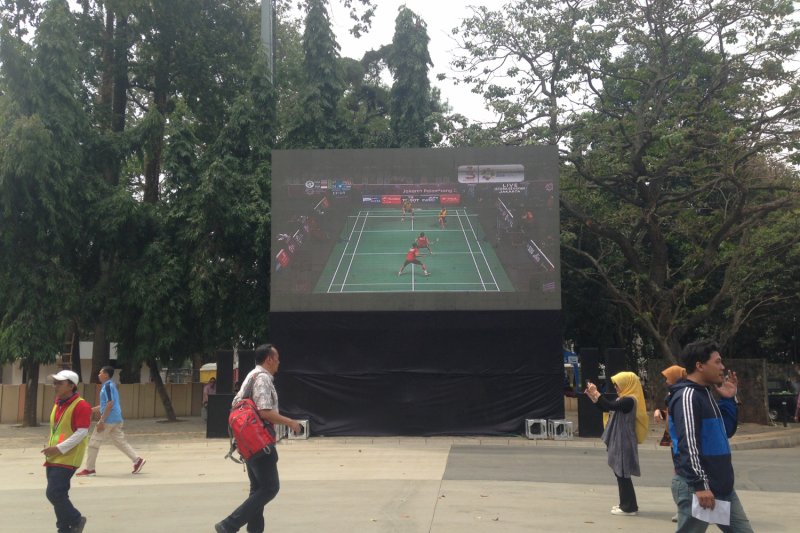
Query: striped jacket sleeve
{"type": "Point", "coordinates": [687, 418]}
{"type": "Point", "coordinates": [729, 411]}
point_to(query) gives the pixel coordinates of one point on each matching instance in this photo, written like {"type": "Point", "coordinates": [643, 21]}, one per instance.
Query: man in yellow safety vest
{"type": "Point", "coordinates": [69, 426]}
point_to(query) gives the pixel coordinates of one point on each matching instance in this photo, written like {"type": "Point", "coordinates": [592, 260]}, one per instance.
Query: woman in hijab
{"type": "Point", "coordinates": [626, 428]}
{"type": "Point", "coordinates": [672, 375]}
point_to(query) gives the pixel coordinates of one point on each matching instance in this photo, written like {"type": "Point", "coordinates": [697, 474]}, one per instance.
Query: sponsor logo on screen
{"type": "Point", "coordinates": [511, 188]}
{"type": "Point", "coordinates": [371, 200]}
{"type": "Point", "coordinates": [429, 199]}
{"type": "Point", "coordinates": [341, 186]}
{"type": "Point", "coordinates": [505, 216]}
{"type": "Point", "coordinates": [491, 173]}
{"type": "Point", "coordinates": [300, 234]}
{"type": "Point", "coordinates": [391, 199]}
{"type": "Point", "coordinates": [538, 256]}
{"type": "Point", "coordinates": [450, 199]}
{"type": "Point", "coordinates": [283, 259]}
{"type": "Point", "coordinates": [420, 190]}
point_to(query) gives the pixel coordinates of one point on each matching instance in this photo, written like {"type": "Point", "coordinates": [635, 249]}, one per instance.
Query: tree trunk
{"type": "Point", "coordinates": [197, 362]}
{"type": "Point", "coordinates": [113, 101]}
{"type": "Point", "coordinates": [31, 415]}
{"type": "Point", "coordinates": [75, 353]}
{"type": "Point", "coordinates": [162, 391]}
{"type": "Point", "coordinates": [129, 371]}
{"type": "Point", "coordinates": [100, 350]}
{"type": "Point", "coordinates": [152, 171]}
{"type": "Point", "coordinates": [105, 90]}
{"type": "Point", "coordinates": [120, 96]}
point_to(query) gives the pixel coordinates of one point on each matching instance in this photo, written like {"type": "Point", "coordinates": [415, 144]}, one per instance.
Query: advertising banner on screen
{"type": "Point", "coordinates": [511, 188]}
{"type": "Point", "coordinates": [491, 173]}
{"type": "Point", "coordinates": [391, 199]}
{"type": "Point", "coordinates": [450, 199]}
{"type": "Point", "coordinates": [538, 256]}
{"type": "Point", "coordinates": [283, 258]}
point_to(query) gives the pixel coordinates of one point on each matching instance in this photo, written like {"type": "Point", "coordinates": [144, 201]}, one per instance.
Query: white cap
{"type": "Point", "coordinates": [66, 375]}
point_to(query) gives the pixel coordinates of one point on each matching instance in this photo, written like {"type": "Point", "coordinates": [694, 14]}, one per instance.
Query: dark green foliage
{"type": "Point", "coordinates": [42, 137]}
{"type": "Point", "coordinates": [318, 123]}
{"type": "Point", "coordinates": [411, 103]}
{"type": "Point", "coordinates": [674, 122]}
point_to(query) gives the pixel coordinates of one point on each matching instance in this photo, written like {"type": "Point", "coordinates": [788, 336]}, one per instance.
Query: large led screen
{"type": "Point", "coordinates": [415, 229]}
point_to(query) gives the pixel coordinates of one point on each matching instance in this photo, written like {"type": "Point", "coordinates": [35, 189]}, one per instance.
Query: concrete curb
{"type": "Point", "coordinates": [748, 437]}
{"type": "Point", "coordinates": [788, 438]}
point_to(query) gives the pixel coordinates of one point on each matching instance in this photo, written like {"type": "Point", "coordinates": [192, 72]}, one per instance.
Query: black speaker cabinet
{"type": "Point", "coordinates": [590, 365]}
{"type": "Point", "coordinates": [247, 362]}
{"type": "Point", "coordinates": [219, 406]}
{"type": "Point", "coordinates": [224, 371]}
{"type": "Point", "coordinates": [590, 418]}
{"type": "Point", "coordinates": [615, 362]}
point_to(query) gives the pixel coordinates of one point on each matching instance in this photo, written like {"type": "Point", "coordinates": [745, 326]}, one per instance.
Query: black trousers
{"type": "Point", "coordinates": [627, 496]}
{"type": "Point", "coordinates": [264, 486]}
{"type": "Point", "coordinates": [58, 483]}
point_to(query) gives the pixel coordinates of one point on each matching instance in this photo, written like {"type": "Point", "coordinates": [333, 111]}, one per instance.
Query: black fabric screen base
{"type": "Point", "coordinates": [420, 404]}
{"type": "Point", "coordinates": [395, 373]}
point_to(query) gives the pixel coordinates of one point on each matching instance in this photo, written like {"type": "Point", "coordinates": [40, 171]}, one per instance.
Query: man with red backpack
{"type": "Point", "coordinates": [262, 469]}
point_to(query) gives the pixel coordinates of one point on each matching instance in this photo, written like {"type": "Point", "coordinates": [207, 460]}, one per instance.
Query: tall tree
{"type": "Point", "coordinates": [526, 68]}
{"type": "Point", "coordinates": [42, 134]}
{"type": "Point", "coordinates": [365, 106]}
{"type": "Point", "coordinates": [409, 61]}
{"type": "Point", "coordinates": [318, 124]}
{"type": "Point", "coordinates": [219, 218]}
{"type": "Point", "coordinates": [197, 53]}
{"type": "Point", "coordinates": [674, 119]}
{"type": "Point", "coordinates": [105, 42]}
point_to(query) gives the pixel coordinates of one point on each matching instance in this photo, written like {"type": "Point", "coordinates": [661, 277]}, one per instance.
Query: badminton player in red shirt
{"type": "Point", "coordinates": [411, 257]}
{"type": "Point", "coordinates": [422, 242]}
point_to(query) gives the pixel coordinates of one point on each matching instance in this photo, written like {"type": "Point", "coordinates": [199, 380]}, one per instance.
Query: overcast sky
{"type": "Point", "coordinates": [441, 16]}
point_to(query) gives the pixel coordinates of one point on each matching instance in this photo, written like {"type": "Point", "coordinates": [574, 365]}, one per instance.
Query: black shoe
{"type": "Point", "coordinates": [219, 528]}
{"type": "Point", "coordinates": [79, 525]}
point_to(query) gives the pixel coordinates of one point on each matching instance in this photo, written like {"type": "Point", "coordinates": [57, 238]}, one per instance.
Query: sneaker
{"type": "Point", "coordinates": [399, 273]}
{"type": "Point", "coordinates": [79, 525]}
{"type": "Point", "coordinates": [219, 528]}
{"type": "Point", "coordinates": [138, 465]}
{"type": "Point", "coordinates": [86, 472]}
{"type": "Point", "coordinates": [619, 512]}
{"type": "Point", "coordinates": [427, 273]}
{"type": "Point", "coordinates": [675, 518]}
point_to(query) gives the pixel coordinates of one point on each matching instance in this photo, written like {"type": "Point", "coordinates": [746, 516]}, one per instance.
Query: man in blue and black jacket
{"type": "Point", "coordinates": [700, 427]}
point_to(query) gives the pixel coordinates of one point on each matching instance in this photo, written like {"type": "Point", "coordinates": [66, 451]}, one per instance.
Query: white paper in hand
{"type": "Point", "coordinates": [720, 514]}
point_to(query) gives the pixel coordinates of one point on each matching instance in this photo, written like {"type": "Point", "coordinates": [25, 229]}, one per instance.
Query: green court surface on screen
{"type": "Point", "coordinates": [373, 246]}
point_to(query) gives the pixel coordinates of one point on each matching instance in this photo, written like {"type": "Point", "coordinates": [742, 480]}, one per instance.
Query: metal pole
{"type": "Point", "coordinates": [267, 34]}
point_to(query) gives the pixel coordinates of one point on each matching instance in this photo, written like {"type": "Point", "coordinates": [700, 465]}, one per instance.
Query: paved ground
{"type": "Point", "coordinates": [405, 484]}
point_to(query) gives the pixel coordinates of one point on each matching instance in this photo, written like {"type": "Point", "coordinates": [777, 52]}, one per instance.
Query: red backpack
{"type": "Point", "coordinates": [250, 434]}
